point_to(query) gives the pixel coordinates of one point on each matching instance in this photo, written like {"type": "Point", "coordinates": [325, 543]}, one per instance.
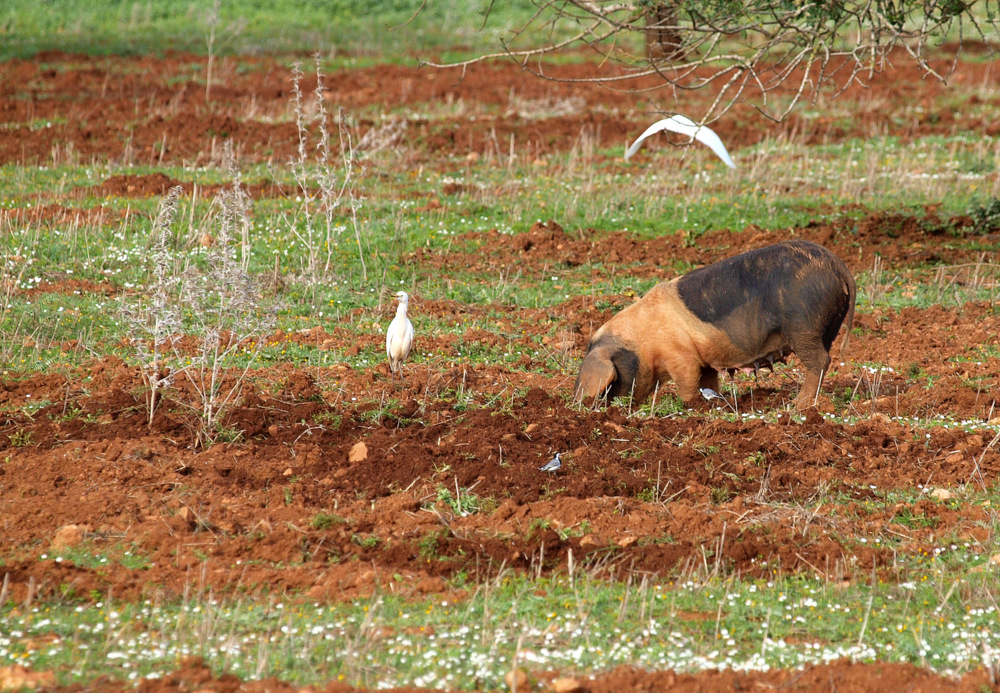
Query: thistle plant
{"type": "Point", "coordinates": [154, 322]}
{"type": "Point", "coordinates": [325, 189]}
{"type": "Point", "coordinates": [215, 300]}
{"type": "Point", "coordinates": [228, 314]}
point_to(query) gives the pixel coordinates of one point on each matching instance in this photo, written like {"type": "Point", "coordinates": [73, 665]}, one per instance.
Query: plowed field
{"type": "Point", "coordinates": [653, 492]}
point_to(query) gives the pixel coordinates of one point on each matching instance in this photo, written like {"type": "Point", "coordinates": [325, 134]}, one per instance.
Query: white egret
{"type": "Point", "coordinates": [399, 338]}
{"type": "Point", "coordinates": [685, 126]}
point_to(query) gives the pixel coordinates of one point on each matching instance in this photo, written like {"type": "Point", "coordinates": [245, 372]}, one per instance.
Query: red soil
{"type": "Point", "coordinates": [89, 460]}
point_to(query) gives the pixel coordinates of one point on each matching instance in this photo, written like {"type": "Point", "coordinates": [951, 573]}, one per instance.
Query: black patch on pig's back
{"type": "Point", "coordinates": [755, 279]}
{"type": "Point", "coordinates": [785, 288]}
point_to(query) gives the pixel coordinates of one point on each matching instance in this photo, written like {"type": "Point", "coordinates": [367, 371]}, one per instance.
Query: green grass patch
{"type": "Point", "coordinates": [939, 614]}
{"type": "Point", "coordinates": [358, 30]}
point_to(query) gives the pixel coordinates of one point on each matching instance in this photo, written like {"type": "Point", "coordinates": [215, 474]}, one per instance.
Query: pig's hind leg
{"type": "Point", "coordinates": [815, 357]}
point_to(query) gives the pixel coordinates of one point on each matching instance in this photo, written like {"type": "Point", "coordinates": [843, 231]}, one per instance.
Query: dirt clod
{"type": "Point", "coordinates": [67, 537]}
{"type": "Point", "coordinates": [358, 453]}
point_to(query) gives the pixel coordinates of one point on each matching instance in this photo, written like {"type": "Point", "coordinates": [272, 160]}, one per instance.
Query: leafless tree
{"type": "Point", "coordinates": [770, 54]}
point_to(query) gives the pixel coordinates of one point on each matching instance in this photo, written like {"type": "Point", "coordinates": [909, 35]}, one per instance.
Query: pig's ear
{"type": "Point", "coordinates": [596, 375]}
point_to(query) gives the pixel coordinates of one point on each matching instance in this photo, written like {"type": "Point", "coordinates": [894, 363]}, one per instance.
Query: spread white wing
{"type": "Point", "coordinates": [685, 126]}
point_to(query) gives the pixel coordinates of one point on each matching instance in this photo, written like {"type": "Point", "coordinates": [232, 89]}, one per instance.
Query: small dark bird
{"type": "Point", "coordinates": [552, 465]}
{"type": "Point", "coordinates": [710, 394]}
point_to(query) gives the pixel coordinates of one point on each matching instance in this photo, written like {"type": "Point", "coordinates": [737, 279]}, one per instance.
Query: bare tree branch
{"type": "Point", "coordinates": [423, 4]}
{"type": "Point", "coordinates": [744, 50]}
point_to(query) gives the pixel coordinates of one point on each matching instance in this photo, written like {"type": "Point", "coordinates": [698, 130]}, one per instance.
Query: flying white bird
{"type": "Point", "coordinates": [685, 126]}
{"type": "Point", "coordinates": [399, 338]}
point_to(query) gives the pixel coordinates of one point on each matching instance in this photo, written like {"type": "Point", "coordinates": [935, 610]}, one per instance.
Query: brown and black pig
{"type": "Point", "coordinates": [747, 311]}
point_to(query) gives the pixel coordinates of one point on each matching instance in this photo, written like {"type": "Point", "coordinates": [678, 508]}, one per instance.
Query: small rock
{"type": "Point", "coordinates": [365, 577]}
{"type": "Point", "coordinates": [67, 537]}
{"type": "Point", "coordinates": [516, 680]}
{"type": "Point", "coordinates": [627, 541]}
{"type": "Point", "coordinates": [18, 678]}
{"type": "Point", "coordinates": [358, 453]}
{"type": "Point", "coordinates": [566, 685]}
{"type": "Point", "coordinates": [941, 494]}
{"type": "Point", "coordinates": [287, 472]}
